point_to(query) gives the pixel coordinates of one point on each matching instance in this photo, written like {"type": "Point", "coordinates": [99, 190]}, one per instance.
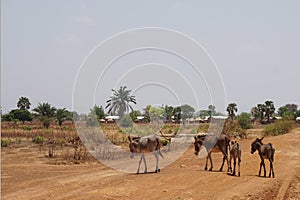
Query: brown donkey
{"type": "Point", "coordinates": [143, 145]}
{"type": "Point", "coordinates": [235, 153]}
{"type": "Point", "coordinates": [265, 151]}
{"type": "Point", "coordinates": [213, 144]}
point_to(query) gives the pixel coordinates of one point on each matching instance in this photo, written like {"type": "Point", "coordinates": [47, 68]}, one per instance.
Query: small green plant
{"type": "Point", "coordinates": [165, 142]}
{"type": "Point", "coordinates": [38, 139]}
{"type": "Point", "coordinates": [281, 126]}
{"type": "Point", "coordinates": [26, 128]}
{"type": "Point", "coordinates": [5, 142]}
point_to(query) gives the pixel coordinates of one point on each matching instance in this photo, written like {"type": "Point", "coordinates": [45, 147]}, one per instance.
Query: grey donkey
{"type": "Point", "coordinates": [151, 143]}
{"type": "Point", "coordinates": [213, 144]}
{"type": "Point", "coordinates": [235, 154]}
{"type": "Point", "coordinates": [265, 151]}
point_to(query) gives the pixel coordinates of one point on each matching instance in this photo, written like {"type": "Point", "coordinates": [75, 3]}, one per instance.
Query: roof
{"type": "Point", "coordinates": [112, 117]}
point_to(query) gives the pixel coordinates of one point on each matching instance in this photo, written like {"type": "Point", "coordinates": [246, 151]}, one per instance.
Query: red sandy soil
{"type": "Point", "coordinates": [26, 174]}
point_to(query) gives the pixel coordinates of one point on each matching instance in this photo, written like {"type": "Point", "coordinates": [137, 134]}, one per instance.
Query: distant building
{"type": "Point", "coordinates": [111, 118]}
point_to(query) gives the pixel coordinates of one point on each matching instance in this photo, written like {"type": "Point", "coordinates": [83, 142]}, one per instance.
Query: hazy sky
{"type": "Point", "coordinates": [255, 45]}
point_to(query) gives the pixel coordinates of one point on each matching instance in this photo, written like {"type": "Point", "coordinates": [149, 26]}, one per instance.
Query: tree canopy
{"type": "Point", "coordinates": [23, 103]}
{"type": "Point", "coordinates": [119, 102]}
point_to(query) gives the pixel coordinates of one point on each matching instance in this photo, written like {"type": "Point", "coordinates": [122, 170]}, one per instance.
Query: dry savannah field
{"type": "Point", "coordinates": [28, 173]}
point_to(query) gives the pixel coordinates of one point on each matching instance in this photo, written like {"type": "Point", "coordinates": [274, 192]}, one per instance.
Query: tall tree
{"type": "Point", "coordinates": [232, 109]}
{"type": "Point", "coordinates": [120, 101]}
{"type": "Point", "coordinates": [46, 113]}
{"type": "Point", "coordinates": [20, 115]}
{"type": "Point", "coordinates": [156, 113]}
{"type": "Point", "coordinates": [211, 110]}
{"type": "Point", "coordinates": [282, 110]}
{"type": "Point", "coordinates": [202, 113]}
{"type": "Point", "coordinates": [187, 111]}
{"type": "Point", "coordinates": [134, 114]}
{"type": "Point", "coordinates": [168, 113]}
{"type": "Point", "coordinates": [99, 111]}
{"type": "Point", "coordinates": [177, 114]}
{"type": "Point", "coordinates": [258, 112]}
{"type": "Point", "coordinates": [269, 109]}
{"type": "Point", "coordinates": [147, 113]}
{"type": "Point", "coordinates": [62, 115]}
{"type": "Point", "coordinates": [23, 103]}
{"type": "Point", "coordinates": [292, 107]}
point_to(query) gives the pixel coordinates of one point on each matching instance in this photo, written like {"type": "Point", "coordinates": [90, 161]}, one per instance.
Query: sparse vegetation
{"type": "Point", "coordinates": [281, 126]}
{"type": "Point", "coordinates": [244, 120]}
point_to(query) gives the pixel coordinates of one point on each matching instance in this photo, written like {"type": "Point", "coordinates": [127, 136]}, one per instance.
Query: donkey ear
{"type": "Point", "coordinates": [261, 138]}
{"type": "Point", "coordinates": [129, 138]}
{"type": "Point", "coordinates": [195, 137]}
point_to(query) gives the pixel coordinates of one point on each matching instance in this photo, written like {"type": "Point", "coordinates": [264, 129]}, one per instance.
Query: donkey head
{"type": "Point", "coordinates": [198, 143]}
{"type": "Point", "coordinates": [133, 145]}
{"type": "Point", "coordinates": [256, 144]}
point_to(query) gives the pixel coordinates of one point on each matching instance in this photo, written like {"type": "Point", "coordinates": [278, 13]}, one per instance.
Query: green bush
{"type": "Point", "coordinates": [38, 139]}
{"type": "Point", "coordinates": [280, 127]}
{"type": "Point", "coordinates": [244, 120]}
{"type": "Point", "coordinates": [126, 121]}
{"type": "Point", "coordinates": [165, 142]}
{"type": "Point", "coordinates": [233, 128]}
{"type": "Point", "coordinates": [5, 142]}
{"type": "Point", "coordinates": [26, 128]}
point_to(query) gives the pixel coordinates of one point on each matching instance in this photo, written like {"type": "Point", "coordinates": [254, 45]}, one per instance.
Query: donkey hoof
{"type": "Point", "coordinates": [221, 170]}
{"type": "Point", "coordinates": [210, 169]}
{"type": "Point", "coordinates": [205, 168]}
{"type": "Point", "coordinates": [239, 174]}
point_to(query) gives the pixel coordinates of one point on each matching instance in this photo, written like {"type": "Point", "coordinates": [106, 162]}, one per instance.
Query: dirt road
{"type": "Point", "coordinates": [25, 175]}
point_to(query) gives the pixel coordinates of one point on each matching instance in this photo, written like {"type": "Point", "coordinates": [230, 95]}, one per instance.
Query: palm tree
{"type": "Point", "coordinates": [231, 109]}
{"type": "Point", "coordinates": [211, 110]}
{"type": "Point", "coordinates": [168, 113]}
{"type": "Point", "coordinates": [45, 112]}
{"type": "Point", "coordinates": [119, 102]}
{"type": "Point", "coordinates": [269, 109]}
{"type": "Point", "coordinates": [23, 103]}
{"type": "Point", "coordinates": [62, 115]}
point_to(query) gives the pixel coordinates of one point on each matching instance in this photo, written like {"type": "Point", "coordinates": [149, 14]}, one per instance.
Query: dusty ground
{"type": "Point", "coordinates": [26, 175]}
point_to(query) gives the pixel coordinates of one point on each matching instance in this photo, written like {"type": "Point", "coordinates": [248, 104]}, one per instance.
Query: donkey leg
{"type": "Point", "coordinates": [239, 161]}
{"type": "Point", "coordinates": [211, 164]}
{"type": "Point", "coordinates": [156, 158]}
{"type": "Point", "coordinates": [234, 165]}
{"type": "Point", "coordinates": [138, 170]}
{"type": "Point", "coordinates": [271, 169]}
{"type": "Point", "coordinates": [239, 165]}
{"type": "Point", "coordinates": [230, 169]}
{"type": "Point", "coordinates": [264, 165]}
{"type": "Point", "coordinates": [145, 163]}
{"type": "Point", "coordinates": [260, 168]}
{"type": "Point", "coordinates": [221, 168]}
{"type": "Point", "coordinates": [206, 163]}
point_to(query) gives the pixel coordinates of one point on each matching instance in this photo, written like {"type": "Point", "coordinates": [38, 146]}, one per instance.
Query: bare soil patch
{"type": "Point", "coordinates": [27, 174]}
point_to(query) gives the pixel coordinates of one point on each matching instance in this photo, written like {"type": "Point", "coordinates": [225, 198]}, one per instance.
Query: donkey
{"type": "Point", "coordinates": [213, 144]}
{"type": "Point", "coordinates": [265, 151]}
{"type": "Point", "coordinates": [151, 143]}
{"type": "Point", "coordinates": [235, 153]}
